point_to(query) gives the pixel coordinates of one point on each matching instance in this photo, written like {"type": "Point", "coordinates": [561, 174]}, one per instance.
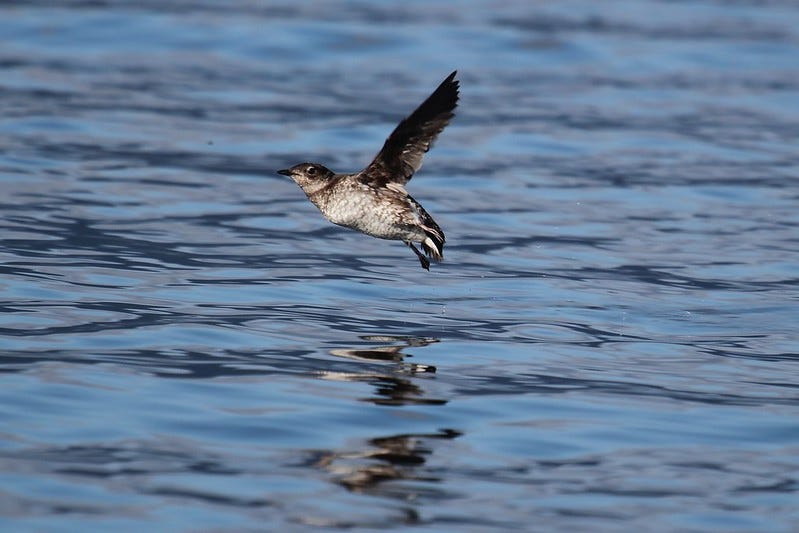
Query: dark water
{"type": "Point", "coordinates": [611, 344]}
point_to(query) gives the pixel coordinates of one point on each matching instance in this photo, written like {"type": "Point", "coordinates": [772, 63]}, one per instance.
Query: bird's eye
{"type": "Point", "coordinates": [311, 171]}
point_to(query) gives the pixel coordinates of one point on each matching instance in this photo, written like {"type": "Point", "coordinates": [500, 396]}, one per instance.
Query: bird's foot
{"type": "Point", "coordinates": [422, 259]}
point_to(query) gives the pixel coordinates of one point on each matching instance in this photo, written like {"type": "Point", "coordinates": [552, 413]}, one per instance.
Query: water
{"type": "Point", "coordinates": [611, 344]}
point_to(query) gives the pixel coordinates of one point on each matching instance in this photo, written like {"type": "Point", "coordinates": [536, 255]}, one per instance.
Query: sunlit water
{"type": "Point", "coordinates": [610, 345]}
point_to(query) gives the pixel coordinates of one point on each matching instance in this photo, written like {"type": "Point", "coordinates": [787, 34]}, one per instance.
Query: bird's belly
{"type": "Point", "coordinates": [378, 219]}
{"type": "Point", "coordinates": [383, 229]}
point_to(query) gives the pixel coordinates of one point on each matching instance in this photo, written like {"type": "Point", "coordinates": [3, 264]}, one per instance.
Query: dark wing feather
{"type": "Point", "coordinates": [404, 149]}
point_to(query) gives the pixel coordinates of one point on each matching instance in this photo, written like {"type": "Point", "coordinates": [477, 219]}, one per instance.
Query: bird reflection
{"type": "Point", "coordinates": [394, 384]}
{"type": "Point", "coordinates": [387, 353]}
{"type": "Point", "coordinates": [396, 457]}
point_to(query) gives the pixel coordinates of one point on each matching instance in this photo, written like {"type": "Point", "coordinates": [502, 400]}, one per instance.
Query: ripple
{"type": "Point", "coordinates": [607, 345]}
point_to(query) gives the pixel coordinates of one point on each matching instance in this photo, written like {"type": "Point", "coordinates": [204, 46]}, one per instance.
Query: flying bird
{"type": "Point", "coordinates": [374, 200]}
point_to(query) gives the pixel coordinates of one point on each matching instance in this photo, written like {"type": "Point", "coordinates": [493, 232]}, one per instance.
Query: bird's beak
{"type": "Point", "coordinates": [285, 172]}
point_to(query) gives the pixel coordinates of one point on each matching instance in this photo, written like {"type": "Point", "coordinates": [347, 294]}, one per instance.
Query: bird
{"type": "Point", "coordinates": [374, 200]}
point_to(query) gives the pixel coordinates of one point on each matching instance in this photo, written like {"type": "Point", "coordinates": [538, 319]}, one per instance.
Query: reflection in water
{"type": "Point", "coordinates": [393, 386]}
{"type": "Point", "coordinates": [396, 457]}
{"type": "Point", "coordinates": [387, 353]}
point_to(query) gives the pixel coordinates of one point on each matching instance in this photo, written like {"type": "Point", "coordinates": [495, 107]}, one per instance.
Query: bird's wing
{"type": "Point", "coordinates": [404, 149]}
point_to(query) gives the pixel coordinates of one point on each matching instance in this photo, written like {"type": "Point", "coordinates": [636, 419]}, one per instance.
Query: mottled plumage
{"type": "Point", "coordinates": [374, 201]}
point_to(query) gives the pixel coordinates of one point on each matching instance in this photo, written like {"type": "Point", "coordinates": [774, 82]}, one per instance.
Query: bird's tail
{"type": "Point", "coordinates": [433, 242]}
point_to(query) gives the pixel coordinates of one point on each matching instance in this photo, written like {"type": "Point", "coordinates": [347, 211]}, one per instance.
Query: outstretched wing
{"type": "Point", "coordinates": [404, 149]}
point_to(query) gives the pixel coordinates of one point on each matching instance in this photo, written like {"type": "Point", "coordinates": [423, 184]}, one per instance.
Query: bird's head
{"type": "Point", "coordinates": [309, 176]}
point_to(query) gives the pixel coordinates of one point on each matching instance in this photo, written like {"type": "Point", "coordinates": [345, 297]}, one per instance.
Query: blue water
{"type": "Point", "coordinates": [610, 345]}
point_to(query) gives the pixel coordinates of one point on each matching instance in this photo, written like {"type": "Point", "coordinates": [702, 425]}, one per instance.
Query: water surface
{"type": "Point", "coordinates": [610, 344]}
